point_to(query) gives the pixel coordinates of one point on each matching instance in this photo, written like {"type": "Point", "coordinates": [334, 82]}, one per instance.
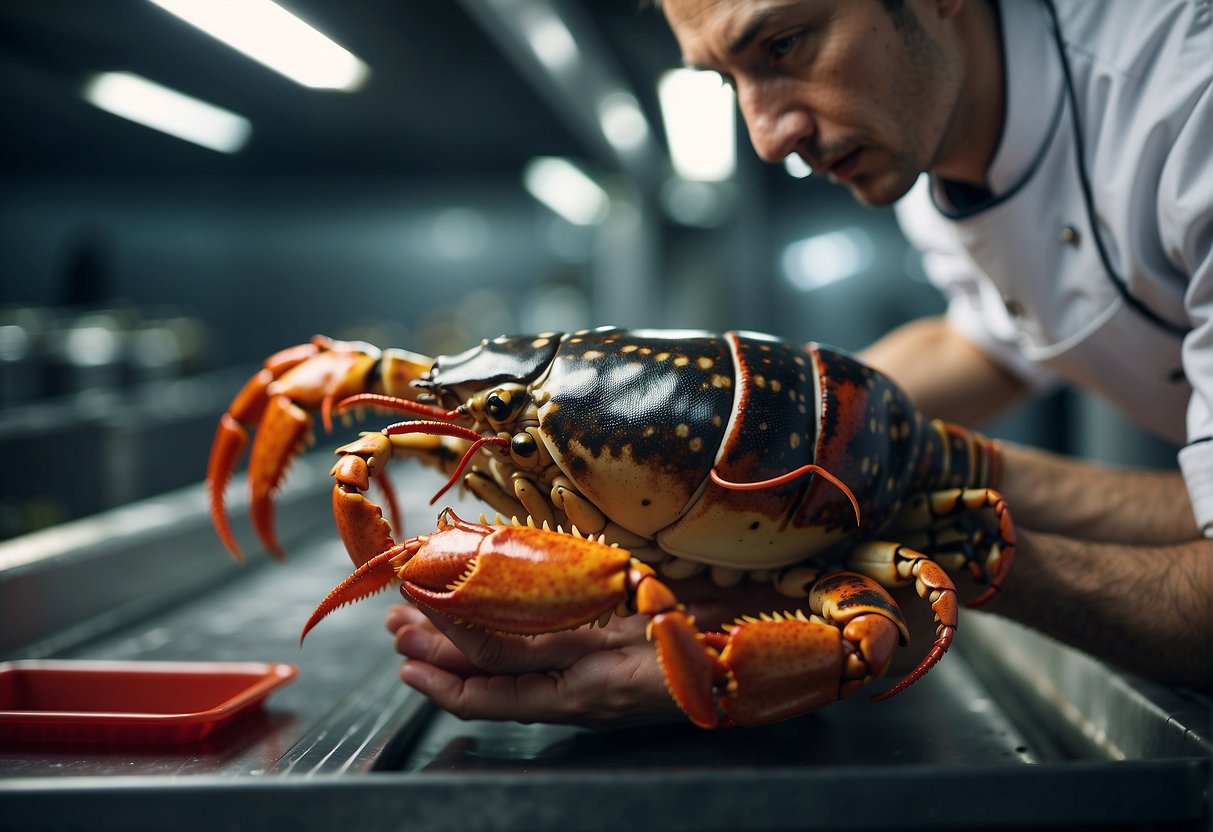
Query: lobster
{"type": "Point", "coordinates": [639, 456]}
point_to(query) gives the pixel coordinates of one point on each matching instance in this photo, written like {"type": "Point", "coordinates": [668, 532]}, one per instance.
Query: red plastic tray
{"type": "Point", "coordinates": [129, 702]}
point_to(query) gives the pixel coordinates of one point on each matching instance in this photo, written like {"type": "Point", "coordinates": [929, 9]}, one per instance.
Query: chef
{"type": "Point", "coordinates": [1054, 162]}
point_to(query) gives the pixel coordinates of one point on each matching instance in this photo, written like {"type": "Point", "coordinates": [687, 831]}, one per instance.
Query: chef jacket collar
{"type": "Point", "coordinates": [1033, 87]}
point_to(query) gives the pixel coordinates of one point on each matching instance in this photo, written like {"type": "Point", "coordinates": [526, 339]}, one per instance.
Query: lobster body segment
{"type": "Point", "coordinates": [734, 453]}
{"type": "Point", "coordinates": [636, 423]}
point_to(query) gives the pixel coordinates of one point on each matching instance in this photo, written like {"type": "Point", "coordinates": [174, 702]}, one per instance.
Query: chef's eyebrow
{"type": "Point", "coordinates": [756, 24]}
{"type": "Point", "coordinates": [747, 35]}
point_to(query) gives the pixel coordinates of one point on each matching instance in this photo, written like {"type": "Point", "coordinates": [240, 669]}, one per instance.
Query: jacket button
{"type": "Point", "coordinates": [1068, 235]}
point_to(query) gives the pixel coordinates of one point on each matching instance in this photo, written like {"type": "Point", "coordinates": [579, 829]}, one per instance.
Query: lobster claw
{"type": "Point", "coordinates": [504, 578]}
{"type": "Point", "coordinates": [278, 401]}
{"type": "Point", "coordinates": [515, 579]}
{"type": "Point", "coordinates": [360, 522]}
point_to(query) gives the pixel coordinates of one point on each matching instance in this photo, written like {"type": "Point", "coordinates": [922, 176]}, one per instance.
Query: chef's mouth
{"type": "Point", "coordinates": [843, 167]}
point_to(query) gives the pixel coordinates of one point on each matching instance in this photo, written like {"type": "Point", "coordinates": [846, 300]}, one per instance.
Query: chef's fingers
{"type": "Point", "coordinates": [454, 646]}
{"type": "Point", "coordinates": [610, 689]}
{"type": "Point", "coordinates": [416, 637]}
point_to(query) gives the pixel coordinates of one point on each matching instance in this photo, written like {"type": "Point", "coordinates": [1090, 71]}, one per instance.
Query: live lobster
{"type": "Point", "coordinates": [663, 453]}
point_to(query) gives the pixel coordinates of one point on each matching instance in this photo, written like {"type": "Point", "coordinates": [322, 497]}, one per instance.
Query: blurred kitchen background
{"type": "Point", "coordinates": [457, 170]}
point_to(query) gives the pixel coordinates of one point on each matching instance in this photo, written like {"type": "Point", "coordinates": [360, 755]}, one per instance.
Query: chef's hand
{"type": "Point", "coordinates": [597, 677]}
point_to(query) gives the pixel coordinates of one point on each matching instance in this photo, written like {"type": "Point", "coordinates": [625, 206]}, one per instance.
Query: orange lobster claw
{"type": "Point", "coordinates": [278, 400]}
{"type": "Point", "coordinates": [367, 579]}
{"type": "Point", "coordinates": [509, 579]}
{"type": "Point", "coordinates": [517, 579]}
{"type": "Point", "coordinates": [689, 665]}
{"type": "Point", "coordinates": [780, 668]}
{"type": "Point", "coordinates": [359, 521]}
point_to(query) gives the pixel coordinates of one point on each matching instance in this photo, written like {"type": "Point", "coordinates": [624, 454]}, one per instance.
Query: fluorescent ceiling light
{"type": "Point", "coordinates": [138, 99]}
{"type": "Point", "coordinates": [267, 33]}
{"type": "Point", "coordinates": [622, 122]}
{"type": "Point", "coordinates": [827, 258]}
{"type": "Point", "coordinates": [699, 124]}
{"type": "Point", "coordinates": [550, 39]}
{"type": "Point", "coordinates": [563, 187]}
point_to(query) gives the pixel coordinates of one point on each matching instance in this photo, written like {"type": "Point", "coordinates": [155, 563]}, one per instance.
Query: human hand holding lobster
{"type": "Point", "coordinates": [604, 677]}
{"type": "Point", "coordinates": [595, 677]}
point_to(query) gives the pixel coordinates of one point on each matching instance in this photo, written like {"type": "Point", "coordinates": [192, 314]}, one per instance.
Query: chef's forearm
{"type": "Point", "coordinates": [1095, 502]}
{"type": "Point", "coordinates": [945, 376]}
{"type": "Point", "coordinates": [1143, 609]}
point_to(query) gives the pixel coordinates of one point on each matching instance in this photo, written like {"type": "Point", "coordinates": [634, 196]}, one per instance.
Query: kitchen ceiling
{"type": "Point", "coordinates": [444, 97]}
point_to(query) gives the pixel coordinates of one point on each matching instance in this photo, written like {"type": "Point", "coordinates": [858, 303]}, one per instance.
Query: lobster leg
{"type": "Point", "coordinates": [893, 564]}
{"type": "Point", "coordinates": [445, 446]}
{"type": "Point", "coordinates": [934, 509]}
{"type": "Point", "coordinates": [278, 401]}
{"type": "Point", "coordinates": [232, 437]}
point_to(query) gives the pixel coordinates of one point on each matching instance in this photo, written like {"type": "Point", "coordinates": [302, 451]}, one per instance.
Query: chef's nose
{"type": "Point", "coordinates": [777, 127]}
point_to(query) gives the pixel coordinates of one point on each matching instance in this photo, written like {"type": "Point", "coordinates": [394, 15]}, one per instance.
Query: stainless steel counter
{"type": "Point", "coordinates": [1009, 731]}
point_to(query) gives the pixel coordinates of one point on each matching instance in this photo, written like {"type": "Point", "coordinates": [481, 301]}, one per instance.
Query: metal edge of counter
{"type": "Point", "coordinates": [1094, 795]}
{"type": "Point", "coordinates": [66, 584]}
{"type": "Point", "coordinates": [1091, 710]}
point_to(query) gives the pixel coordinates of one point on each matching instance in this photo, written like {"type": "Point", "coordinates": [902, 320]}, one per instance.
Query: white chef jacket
{"type": "Point", "coordinates": [1022, 271]}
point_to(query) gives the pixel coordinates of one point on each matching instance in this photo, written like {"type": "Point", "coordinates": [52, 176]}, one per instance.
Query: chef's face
{"type": "Point", "coordinates": [864, 94]}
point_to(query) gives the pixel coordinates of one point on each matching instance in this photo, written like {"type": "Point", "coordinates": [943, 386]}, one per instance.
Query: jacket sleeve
{"type": "Point", "coordinates": [1186, 227]}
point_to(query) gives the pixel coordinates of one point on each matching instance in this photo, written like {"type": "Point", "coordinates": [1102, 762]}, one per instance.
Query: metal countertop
{"type": "Point", "coordinates": [1009, 731]}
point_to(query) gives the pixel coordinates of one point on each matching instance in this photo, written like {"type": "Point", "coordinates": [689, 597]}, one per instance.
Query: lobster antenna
{"type": "Point", "coordinates": [396, 403]}
{"type": "Point", "coordinates": [786, 478]}
{"type": "Point", "coordinates": [467, 457]}
{"type": "Point", "coordinates": [447, 429]}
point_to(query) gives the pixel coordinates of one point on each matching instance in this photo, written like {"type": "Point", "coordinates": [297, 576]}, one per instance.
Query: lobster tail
{"type": "Point", "coordinates": [955, 457]}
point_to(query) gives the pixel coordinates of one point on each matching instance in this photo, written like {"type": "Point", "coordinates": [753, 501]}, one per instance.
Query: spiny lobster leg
{"type": "Point", "coordinates": [893, 564]}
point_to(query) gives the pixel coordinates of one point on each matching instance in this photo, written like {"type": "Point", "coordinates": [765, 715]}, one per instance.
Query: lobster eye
{"type": "Point", "coordinates": [523, 445]}
{"type": "Point", "coordinates": [499, 405]}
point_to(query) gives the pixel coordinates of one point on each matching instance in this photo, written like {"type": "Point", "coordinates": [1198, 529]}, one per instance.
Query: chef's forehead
{"type": "Point", "coordinates": [720, 27]}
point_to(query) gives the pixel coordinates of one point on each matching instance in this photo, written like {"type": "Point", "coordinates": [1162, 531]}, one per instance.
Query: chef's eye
{"type": "Point", "coordinates": [783, 46]}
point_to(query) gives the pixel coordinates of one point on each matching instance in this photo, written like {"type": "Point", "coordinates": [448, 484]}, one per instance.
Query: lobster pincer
{"type": "Point", "coordinates": [278, 402]}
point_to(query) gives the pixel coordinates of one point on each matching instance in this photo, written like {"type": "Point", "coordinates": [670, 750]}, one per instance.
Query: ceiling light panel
{"type": "Point", "coordinates": [136, 98]}
{"type": "Point", "coordinates": [699, 115]}
{"type": "Point", "coordinates": [567, 190]}
{"type": "Point", "coordinates": [271, 35]}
